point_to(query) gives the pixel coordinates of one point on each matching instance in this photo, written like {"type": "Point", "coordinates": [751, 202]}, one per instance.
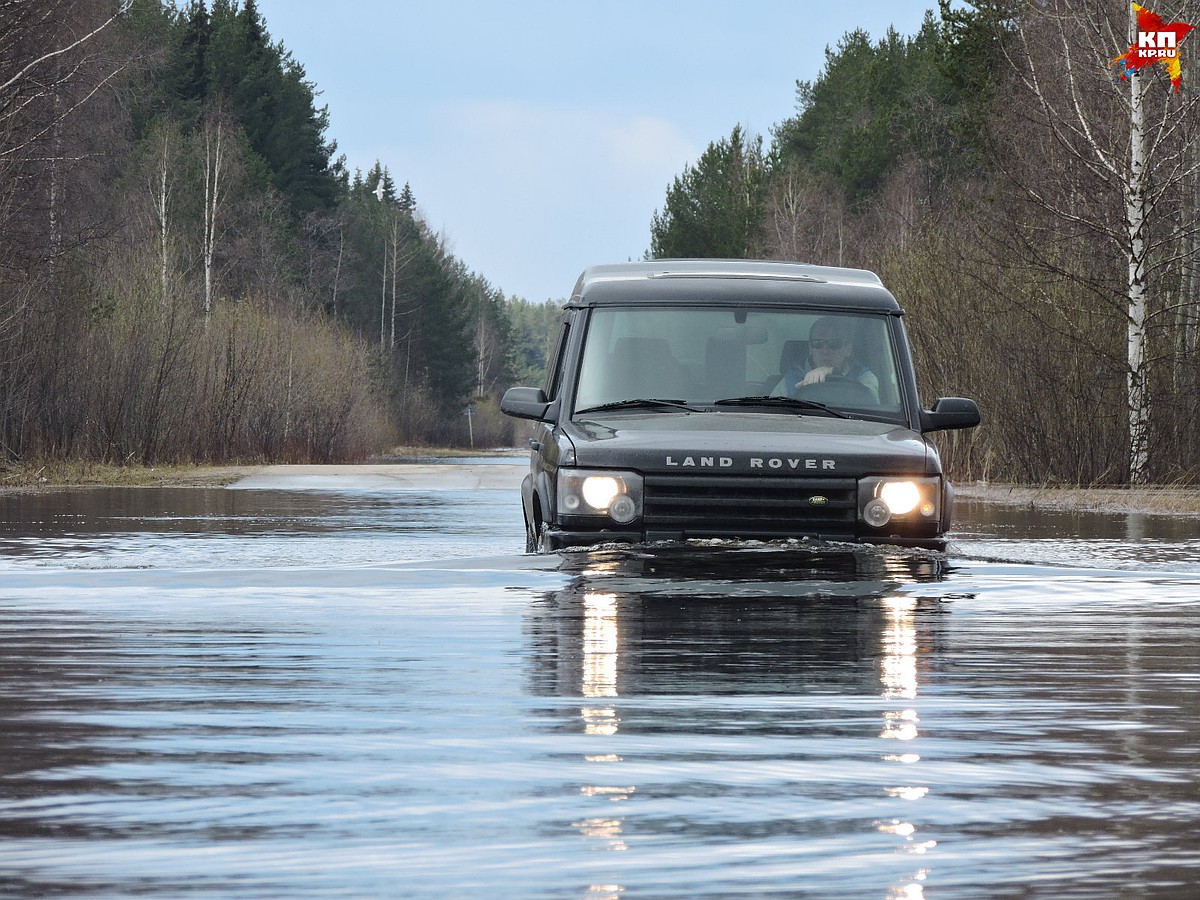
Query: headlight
{"type": "Point", "coordinates": [880, 500]}
{"type": "Point", "coordinates": [583, 492]}
{"type": "Point", "coordinates": [901, 497]}
{"type": "Point", "coordinates": [600, 490]}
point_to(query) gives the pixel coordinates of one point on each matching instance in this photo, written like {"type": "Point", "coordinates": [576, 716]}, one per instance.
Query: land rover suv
{"type": "Point", "coordinates": [732, 399]}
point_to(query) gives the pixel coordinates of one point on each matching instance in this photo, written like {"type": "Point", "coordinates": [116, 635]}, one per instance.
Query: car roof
{"type": "Point", "coordinates": [724, 281]}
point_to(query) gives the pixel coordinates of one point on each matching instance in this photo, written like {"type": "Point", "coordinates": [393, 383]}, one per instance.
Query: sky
{"type": "Point", "coordinates": [541, 137]}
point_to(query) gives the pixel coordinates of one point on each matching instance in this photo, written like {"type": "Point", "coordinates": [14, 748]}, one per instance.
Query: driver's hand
{"type": "Point", "coordinates": [816, 376]}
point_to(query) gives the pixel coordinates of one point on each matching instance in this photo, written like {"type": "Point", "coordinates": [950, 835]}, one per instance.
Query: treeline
{"type": "Point", "coordinates": [188, 271]}
{"type": "Point", "coordinates": [1035, 212]}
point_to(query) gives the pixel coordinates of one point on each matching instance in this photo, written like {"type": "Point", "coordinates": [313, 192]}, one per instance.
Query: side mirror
{"type": "Point", "coordinates": [948, 413]}
{"type": "Point", "coordinates": [525, 403]}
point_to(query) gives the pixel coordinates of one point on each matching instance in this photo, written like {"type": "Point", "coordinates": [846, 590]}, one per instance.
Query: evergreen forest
{"type": "Point", "coordinates": [190, 273]}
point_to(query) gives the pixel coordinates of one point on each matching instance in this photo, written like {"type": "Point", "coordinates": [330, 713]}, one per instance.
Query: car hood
{"type": "Point", "coordinates": [742, 443]}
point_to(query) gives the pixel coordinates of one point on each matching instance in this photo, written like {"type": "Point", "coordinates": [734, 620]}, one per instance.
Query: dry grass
{"type": "Point", "coordinates": [411, 452]}
{"type": "Point", "coordinates": [1173, 500]}
{"type": "Point", "coordinates": [59, 474]}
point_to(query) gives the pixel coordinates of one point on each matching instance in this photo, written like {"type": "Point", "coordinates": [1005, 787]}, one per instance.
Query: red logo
{"type": "Point", "coordinates": [1157, 42]}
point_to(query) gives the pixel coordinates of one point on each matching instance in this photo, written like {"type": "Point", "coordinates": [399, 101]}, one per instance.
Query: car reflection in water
{"type": "Point", "coordinates": [683, 619]}
{"type": "Point", "coordinates": [764, 641]}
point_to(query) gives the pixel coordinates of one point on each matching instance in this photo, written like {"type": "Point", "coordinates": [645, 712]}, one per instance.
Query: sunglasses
{"type": "Point", "coordinates": [826, 344]}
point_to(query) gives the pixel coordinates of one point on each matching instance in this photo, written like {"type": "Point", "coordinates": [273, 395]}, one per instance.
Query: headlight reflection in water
{"type": "Point", "coordinates": [601, 649]}
{"type": "Point", "coordinates": [899, 679]}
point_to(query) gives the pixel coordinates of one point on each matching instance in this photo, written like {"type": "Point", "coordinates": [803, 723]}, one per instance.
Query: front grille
{"type": "Point", "coordinates": [715, 506]}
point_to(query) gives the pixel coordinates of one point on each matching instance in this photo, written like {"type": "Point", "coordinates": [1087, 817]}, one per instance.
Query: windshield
{"type": "Point", "coordinates": [702, 356]}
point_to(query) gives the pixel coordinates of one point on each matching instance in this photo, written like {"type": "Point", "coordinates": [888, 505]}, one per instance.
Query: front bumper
{"type": "Point", "coordinates": [558, 539]}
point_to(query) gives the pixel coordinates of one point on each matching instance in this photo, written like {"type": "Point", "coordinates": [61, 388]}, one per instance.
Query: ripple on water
{"type": "Point", "coordinates": [668, 722]}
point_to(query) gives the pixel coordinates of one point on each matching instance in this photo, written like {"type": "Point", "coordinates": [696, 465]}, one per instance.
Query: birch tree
{"type": "Point", "coordinates": [404, 248]}
{"type": "Point", "coordinates": [213, 133]}
{"type": "Point", "coordinates": [162, 183]}
{"type": "Point", "coordinates": [1137, 208]}
{"type": "Point", "coordinates": [1113, 159]}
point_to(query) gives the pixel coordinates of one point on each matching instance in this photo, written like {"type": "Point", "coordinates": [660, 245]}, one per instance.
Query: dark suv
{"type": "Point", "coordinates": [733, 399]}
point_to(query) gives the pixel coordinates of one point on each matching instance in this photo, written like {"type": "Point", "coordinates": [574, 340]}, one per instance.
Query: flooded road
{"type": "Point", "coordinates": [316, 689]}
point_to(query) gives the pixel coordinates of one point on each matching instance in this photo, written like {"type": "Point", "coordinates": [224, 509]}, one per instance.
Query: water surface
{"type": "Point", "coordinates": [374, 693]}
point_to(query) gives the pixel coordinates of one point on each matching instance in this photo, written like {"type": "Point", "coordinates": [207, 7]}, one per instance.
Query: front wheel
{"type": "Point", "coordinates": [536, 539]}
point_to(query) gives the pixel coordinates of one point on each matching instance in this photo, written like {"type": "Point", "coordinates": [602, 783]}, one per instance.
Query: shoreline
{"type": "Point", "coordinates": [53, 476]}
{"type": "Point", "coordinates": [400, 468]}
{"type": "Point", "coordinates": [1155, 500]}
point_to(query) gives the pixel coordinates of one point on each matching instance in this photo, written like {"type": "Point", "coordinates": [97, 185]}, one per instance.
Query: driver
{"type": "Point", "coordinates": [830, 355]}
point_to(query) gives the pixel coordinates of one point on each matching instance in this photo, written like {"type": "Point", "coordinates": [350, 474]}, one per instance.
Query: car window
{"type": "Point", "coordinates": [701, 355]}
{"type": "Point", "coordinates": [554, 367]}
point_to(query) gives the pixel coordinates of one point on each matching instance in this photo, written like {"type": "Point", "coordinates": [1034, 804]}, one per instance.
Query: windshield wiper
{"type": "Point", "coordinates": [788, 402]}
{"type": "Point", "coordinates": [636, 403]}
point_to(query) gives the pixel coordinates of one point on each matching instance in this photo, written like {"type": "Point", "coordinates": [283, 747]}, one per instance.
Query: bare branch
{"type": "Point", "coordinates": [45, 57]}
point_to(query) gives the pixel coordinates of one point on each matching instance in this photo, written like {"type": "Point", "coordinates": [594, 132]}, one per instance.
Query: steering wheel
{"type": "Point", "coordinates": [839, 389]}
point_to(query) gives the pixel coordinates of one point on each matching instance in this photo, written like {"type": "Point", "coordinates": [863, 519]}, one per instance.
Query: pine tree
{"type": "Point", "coordinates": [714, 208]}
{"type": "Point", "coordinates": [407, 201]}
{"type": "Point", "coordinates": [185, 77]}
